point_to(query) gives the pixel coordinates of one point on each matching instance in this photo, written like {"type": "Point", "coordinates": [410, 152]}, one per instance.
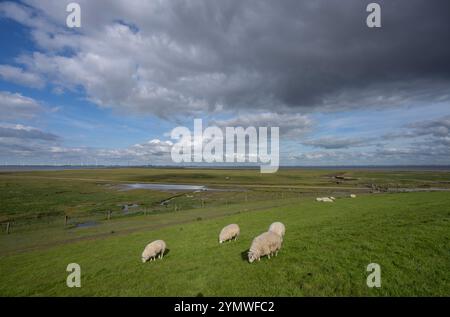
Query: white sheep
{"type": "Point", "coordinates": [153, 249]}
{"type": "Point", "coordinates": [325, 199]}
{"type": "Point", "coordinates": [352, 196]}
{"type": "Point", "coordinates": [332, 198]}
{"type": "Point", "coordinates": [267, 243]}
{"type": "Point", "coordinates": [278, 228]}
{"type": "Point", "coordinates": [229, 232]}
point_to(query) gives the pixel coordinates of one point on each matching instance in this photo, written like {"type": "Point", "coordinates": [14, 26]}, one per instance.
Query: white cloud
{"type": "Point", "coordinates": [16, 106]}
{"type": "Point", "coordinates": [20, 76]}
{"type": "Point", "coordinates": [20, 143]}
{"type": "Point", "coordinates": [19, 131]}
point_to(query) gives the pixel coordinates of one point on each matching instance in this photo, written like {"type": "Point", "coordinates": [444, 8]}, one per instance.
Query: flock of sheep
{"type": "Point", "coordinates": [266, 244]}
{"type": "Point", "coordinates": [331, 198]}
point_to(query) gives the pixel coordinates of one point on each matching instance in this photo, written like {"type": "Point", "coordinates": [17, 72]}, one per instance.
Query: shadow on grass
{"type": "Point", "coordinates": [244, 255]}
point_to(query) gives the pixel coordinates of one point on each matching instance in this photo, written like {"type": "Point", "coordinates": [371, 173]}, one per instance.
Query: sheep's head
{"type": "Point", "coordinates": [144, 260]}
{"type": "Point", "coordinates": [251, 257]}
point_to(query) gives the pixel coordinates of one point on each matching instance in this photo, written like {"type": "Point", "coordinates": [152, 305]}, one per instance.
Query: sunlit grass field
{"type": "Point", "coordinates": [326, 249]}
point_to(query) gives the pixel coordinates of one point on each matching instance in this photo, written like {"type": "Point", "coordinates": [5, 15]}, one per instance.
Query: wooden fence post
{"type": "Point", "coordinates": [109, 214]}
{"type": "Point", "coordinates": [7, 227]}
{"type": "Point", "coordinates": [66, 218]}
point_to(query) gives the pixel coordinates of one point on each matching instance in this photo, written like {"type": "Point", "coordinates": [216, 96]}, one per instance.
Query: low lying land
{"type": "Point", "coordinates": [399, 220]}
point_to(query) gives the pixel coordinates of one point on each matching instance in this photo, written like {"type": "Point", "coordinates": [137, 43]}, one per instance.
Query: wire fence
{"type": "Point", "coordinates": [39, 220]}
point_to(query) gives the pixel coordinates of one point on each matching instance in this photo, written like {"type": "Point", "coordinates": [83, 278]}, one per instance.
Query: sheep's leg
{"type": "Point", "coordinates": [276, 253]}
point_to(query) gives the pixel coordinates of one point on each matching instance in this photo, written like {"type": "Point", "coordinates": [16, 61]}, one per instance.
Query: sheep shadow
{"type": "Point", "coordinates": [244, 255]}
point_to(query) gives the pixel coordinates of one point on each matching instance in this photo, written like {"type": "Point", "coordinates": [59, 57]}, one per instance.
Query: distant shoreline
{"type": "Point", "coordinates": [24, 168]}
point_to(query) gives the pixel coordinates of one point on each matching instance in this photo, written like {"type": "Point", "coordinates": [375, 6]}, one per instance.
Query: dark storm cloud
{"type": "Point", "coordinates": [320, 53]}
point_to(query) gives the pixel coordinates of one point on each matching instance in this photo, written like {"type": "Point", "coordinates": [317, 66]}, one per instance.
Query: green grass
{"type": "Point", "coordinates": [287, 177]}
{"type": "Point", "coordinates": [42, 194]}
{"type": "Point", "coordinates": [22, 197]}
{"type": "Point", "coordinates": [326, 250]}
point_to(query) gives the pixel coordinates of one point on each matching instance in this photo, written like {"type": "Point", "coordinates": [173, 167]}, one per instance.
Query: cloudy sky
{"type": "Point", "coordinates": [111, 91]}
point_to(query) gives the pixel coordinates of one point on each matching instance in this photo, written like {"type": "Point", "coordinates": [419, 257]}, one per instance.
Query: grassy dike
{"type": "Point", "coordinates": [326, 250]}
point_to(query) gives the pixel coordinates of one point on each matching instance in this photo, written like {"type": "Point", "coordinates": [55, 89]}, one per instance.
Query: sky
{"type": "Point", "coordinates": [111, 91]}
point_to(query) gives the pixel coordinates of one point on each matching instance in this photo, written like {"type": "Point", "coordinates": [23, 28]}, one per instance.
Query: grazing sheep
{"type": "Point", "coordinates": [332, 198]}
{"type": "Point", "coordinates": [325, 199]}
{"type": "Point", "coordinates": [229, 232]}
{"type": "Point", "coordinates": [268, 243]}
{"type": "Point", "coordinates": [278, 228]}
{"type": "Point", "coordinates": [352, 196]}
{"type": "Point", "coordinates": [153, 249]}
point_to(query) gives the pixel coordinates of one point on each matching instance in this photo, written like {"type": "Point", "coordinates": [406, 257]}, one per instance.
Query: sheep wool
{"type": "Point", "coordinates": [154, 249]}
{"type": "Point", "coordinates": [278, 228]}
{"type": "Point", "coordinates": [268, 243]}
{"type": "Point", "coordinates": [325, 199]}
{"type": "Point", "coordinates": [229, 232]}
